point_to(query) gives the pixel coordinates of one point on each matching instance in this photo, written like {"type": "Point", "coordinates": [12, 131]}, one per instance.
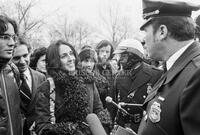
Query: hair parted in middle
{"type": "Point", "coordinates": [53, 62]}
{"type": "Point", "coordinates": [39, 52]}
{"type": "Point", "coordinates": [105, 43]}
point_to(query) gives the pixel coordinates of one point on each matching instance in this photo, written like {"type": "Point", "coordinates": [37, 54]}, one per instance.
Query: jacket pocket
{"type": "Point", "coordinates": [3, 125]}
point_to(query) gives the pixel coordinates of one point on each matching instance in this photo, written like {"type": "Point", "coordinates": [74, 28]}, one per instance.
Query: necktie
{"type": "Point", "coordinates": [25, 92]}
{"type": "Point", "coordinates": [164, 66]}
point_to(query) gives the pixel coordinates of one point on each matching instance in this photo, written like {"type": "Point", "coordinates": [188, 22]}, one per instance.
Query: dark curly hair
{"type": "Point", "coordinates": [53, 62]}
{"type": "Point", "coordinates": [39, 52]}
{"type": "Point", "coordinates": [105, 43]}
{"type": "Point", "coordinates": [88, 53]}
{"type": "Point", "coordinates": [4, 20]}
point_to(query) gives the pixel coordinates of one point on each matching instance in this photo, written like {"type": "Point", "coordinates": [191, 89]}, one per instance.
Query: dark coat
{"type": "Point", "coordinates": [37, 79]}
{"type": "Point", "coordinates": [102, 85]}
{"type": "Point", "coordinates": [131, 87]}
{"type": "Point", "coordinates": [9, 101]}
{"type": "Point", "coordinates": [43, 105]}
{"type": "Point", "coordinates": [110, 76]}
{"type": "Point", "coordinates": [173, 105]}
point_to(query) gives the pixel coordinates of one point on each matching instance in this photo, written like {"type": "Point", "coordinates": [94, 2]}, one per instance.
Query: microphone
{"type": "Point", "coordinates": [95, 124]}
{"type": "Point", "coordinates": [109, 100]}
{"type": "Point", "coordinates": [129, 104]}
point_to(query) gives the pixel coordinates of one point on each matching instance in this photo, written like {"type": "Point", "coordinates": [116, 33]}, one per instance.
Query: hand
{"type": "Point", "coordinates": [114, 66]}
{"type": "Point", "coordinates": [130, 130]}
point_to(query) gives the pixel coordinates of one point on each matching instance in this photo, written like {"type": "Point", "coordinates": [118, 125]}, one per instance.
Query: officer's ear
{"type": "Point", "coordinates": [162, 32]}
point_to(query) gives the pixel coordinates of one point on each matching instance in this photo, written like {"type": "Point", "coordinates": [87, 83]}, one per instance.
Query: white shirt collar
{"type": "Point", "coordinates": [176, 55]}
{"type": "Point", "coordinates": [28, 77]}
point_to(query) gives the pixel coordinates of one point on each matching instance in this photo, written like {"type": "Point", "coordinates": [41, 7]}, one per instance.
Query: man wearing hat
{"type": "Point", "coordinates": [172, 105]}
{"type": "Point", "coordinates": [133, 83]}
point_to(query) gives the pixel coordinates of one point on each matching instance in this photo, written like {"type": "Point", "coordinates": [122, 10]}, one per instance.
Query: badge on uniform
{"type": "Point", "coordinates": [154, 113]}
{"type": "Point", "coordinates": [149, 88]}
{"type": "Point", "coordinates": [132, 94]}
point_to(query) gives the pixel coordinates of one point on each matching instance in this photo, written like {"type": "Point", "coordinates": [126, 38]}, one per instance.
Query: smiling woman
{"type": "Point", "coordinates": [75, 91]}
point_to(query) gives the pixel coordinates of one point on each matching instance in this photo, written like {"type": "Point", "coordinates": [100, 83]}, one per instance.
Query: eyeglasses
{"type": "Point", "coordinates": [8, 37]}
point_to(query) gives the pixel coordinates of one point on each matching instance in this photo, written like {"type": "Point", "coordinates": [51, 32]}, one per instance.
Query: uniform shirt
{"type": "Point", "coordinates": [28, 78]}
{"type": "Point", "coordinates": [176, 55]}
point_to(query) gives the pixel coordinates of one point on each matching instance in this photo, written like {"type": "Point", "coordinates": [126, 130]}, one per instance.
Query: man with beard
{"type": "Point", "coordinates": [133, 83]}
{"type": "Point", "coordinates": [30, 80]}
{"type": "Point", "coordinates": [106, 68]}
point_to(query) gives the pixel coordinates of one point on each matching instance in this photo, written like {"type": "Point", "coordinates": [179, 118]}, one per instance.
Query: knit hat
{"type": "Point", "coordinates": [88, 53]}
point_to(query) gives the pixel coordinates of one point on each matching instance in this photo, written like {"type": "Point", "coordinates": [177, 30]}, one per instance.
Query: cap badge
{"type": "Point", "coordinates": [145, 15]}
{"type": "Point", "coordinates": [154, 113]}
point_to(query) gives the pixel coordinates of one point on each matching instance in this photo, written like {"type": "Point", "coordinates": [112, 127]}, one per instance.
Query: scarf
{"type": "Point", "coordinates": [75, 106]}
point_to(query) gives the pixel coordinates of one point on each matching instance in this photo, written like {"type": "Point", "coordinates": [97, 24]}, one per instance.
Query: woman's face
{"type": "Point", "coordinates": [88, 64]}
{"type": "Point", "coordinates": [67, 58]}
{"type": "Point", "coordinates": [41, 64]}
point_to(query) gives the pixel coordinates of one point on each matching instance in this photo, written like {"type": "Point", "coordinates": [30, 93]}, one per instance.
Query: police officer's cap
{"type": "Point", "coordinates": [159, 8]}
{"type": "Point", "coordinates": [130, 45]}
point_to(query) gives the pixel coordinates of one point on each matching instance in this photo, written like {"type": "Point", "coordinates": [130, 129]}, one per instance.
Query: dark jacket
{"type": "Point", "coordinates": [10, 113]}
{"type": "Point", "coordinates": [110, 76]}
{"type": "Point", "coordinates": [132, 87]}
{"type": "Point", "coordinates": [102, 85]}
{"type": "Point", "coordinates": [37, 79]}
{"type": "Point", "coordinates": [43, 106]}
{"type": "Point", "coordinates": [173, 104]}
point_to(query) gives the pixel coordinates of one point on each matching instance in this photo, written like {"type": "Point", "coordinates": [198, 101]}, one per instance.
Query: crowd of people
{"type": "Point", "coordinates": [51, 91]}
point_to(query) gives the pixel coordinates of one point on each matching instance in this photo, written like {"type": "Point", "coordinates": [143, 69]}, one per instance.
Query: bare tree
{"type": "Point", "coordinates": [22, 13]}
{"type": "Point", "coordinates": [77, 32]}
{"type": "Point", "coordinates": [24, 18]}
{"type": "Point", "coordinates": [115, 26]}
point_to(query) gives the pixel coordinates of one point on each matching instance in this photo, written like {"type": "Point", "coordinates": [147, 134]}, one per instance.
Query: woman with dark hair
{"type": "Point", "coordinates": [68, 96]}
{"type": "Point", "coordinates": [37, 61]}
{"type": "Point", "coordinates": [88, 59]}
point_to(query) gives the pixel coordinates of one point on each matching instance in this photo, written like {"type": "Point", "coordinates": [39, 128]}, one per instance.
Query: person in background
{"type": "Point", "coordinates": [37, 61]}
{"type": "Point", "coordinates": [104, 51]}
{"type": "Point", "coordinates": [88, 59]}
{"type": "Point", "coordinates": [68, 96]}
{"type": "Point", "coordinates": [115, 62]}
{"type": "Point", "coordinates": [171, 104]}
{"type": "Point", "coordinates": [86, 47]}
{"type": "Point", "coordinates": [29, 81]}
{"type": "Point", "coordinates": [133, 82]}
{"type": "Point", "coordinates": [10, 113]}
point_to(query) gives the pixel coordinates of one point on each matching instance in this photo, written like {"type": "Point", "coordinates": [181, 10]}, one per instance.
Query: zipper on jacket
{"type": "Point", "coordinates": [7, 104]}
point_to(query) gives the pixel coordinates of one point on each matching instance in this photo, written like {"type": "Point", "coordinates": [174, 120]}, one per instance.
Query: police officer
{"type": "Point", "coordinates": [133, 83]}
{"type": "Point", "coordinates": [171, 105]}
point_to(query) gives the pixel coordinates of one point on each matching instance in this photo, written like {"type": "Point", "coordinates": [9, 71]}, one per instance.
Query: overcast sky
{"type": "Point", "coordinates": [88, 9]}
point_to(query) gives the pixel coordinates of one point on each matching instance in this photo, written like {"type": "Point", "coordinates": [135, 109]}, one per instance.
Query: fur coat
{"type": "Point", "coordinates": [76, 97]}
